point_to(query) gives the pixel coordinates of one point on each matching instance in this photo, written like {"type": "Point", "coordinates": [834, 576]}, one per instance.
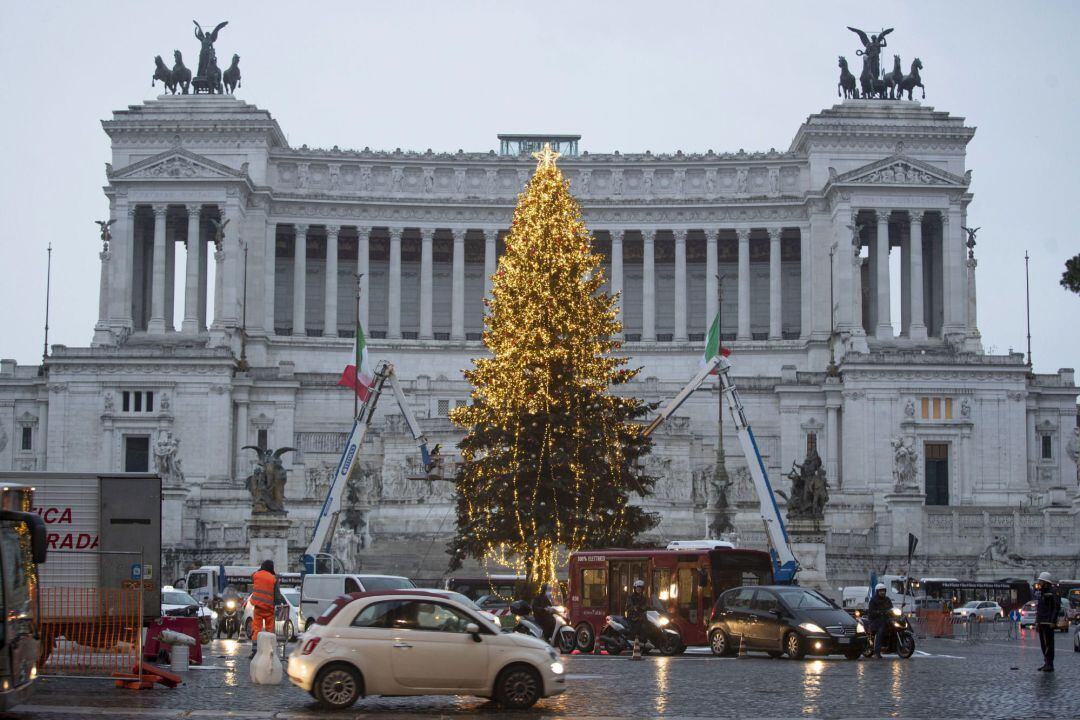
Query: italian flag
{"type": "Point", "coordinates": [358, 376]}
{"type": "Point", "coordinates": [712, 344]}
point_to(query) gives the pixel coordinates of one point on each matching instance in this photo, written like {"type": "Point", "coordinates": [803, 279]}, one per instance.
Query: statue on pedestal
{"type": "Point", "coordinates": [809, 488]}
{"type": "Point", "coordinates": [266, 483]}
{"type": "Point", "coordinates": [167, 460]}
{"type": "Point", "coordinates": [905, 459]}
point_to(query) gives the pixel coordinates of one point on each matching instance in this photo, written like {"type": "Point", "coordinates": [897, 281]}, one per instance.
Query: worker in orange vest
{"type": "Point", "coordinates": [264, 597]}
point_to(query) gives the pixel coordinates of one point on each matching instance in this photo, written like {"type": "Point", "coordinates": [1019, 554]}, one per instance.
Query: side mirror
{"type": "Point", "coordinates": [38, 548]}
{"type": "Point", "coordinates": [474, 630]}
{"type": "Point", "coordinates": [778, 612]}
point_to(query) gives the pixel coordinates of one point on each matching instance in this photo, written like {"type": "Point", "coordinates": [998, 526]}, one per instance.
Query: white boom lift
{"type": "Point", "coordinates": [317, 557]}
{"type": "Point", "coordinates": [785, 566]}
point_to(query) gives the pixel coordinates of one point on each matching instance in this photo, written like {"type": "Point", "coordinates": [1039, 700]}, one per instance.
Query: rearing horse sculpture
{"type": "Point", "coordinates": [846, 87]}
{"type": "Point", "coordinates": [181, 74]}
{"type": "Point", "coordinates": [894, 78]}
{"type": "Point", "coordinates": [912, 81]}
{"type": "Point", "coordinates": [162, 73]}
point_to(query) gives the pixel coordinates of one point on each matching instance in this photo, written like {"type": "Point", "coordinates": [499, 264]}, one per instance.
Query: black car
{"type": "Point", "coordinates": [783, 619]}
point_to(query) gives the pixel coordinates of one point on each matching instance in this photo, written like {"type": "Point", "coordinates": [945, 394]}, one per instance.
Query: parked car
{"type": "Point", "coordinates": [783, 619]}
{"type": "Point", "coordinates": [285, 627]}
{"type": "Point", "coordinates": [1027, 616]}
{"type": "Point", "coordinates": [177, 603]}
{"type": "Point", "coordinates": [979, 610]}
{"type": "Point", "coordinates": [319, 590]}
{"type": "Point", "coordinates": [417, 642]}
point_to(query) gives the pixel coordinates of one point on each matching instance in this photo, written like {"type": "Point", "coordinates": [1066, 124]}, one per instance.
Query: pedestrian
{"type": "Point", "coordinates": [879, 610]}
{"type": "Point", "coordinates": [1047, 607]}
{"type": "Point", "coordinates": [264, 596]}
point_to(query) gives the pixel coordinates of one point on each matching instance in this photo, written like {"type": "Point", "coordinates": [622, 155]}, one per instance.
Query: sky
{"type": "Point", "coordinates": [627, 76]}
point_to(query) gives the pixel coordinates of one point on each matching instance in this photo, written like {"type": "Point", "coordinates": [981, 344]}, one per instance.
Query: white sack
{"type": "Point", "coordinates": [266, 665]}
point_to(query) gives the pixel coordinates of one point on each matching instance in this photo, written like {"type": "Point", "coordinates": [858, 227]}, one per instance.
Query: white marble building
{"type": "Point", "coordinates": [802, 240]}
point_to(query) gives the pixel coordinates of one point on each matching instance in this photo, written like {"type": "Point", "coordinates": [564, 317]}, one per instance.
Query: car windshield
{"type": "Point", "coordinates": [464, 600]}
{"type": "Point", "coordinates": [291, 596]}
{"type": "Point", "coordinates": [175, 597]}
{"type": "Point", "coordinates": [804, 600]}
{"type": "Point", "coordinates": [386, 582]}
{"type": "Point", "coordinates": [972, 604]}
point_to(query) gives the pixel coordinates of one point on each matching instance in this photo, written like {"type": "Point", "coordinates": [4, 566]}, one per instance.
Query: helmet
{"type": "Point", "coordinates": [879, 587]}
{"type": "Point", "coordinates": [1045, 577]}
{"type": "Point", "coordinates": [520, 607]}
{"type": "Point", "coordinates": [639, 584]}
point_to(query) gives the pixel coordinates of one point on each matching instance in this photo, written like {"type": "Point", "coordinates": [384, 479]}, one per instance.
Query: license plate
{"type": "Point", "coordinates": [845, 641]}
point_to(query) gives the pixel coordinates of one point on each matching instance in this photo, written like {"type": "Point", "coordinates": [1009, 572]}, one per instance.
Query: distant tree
{"type": "Point", "coordinates": [1070, 279]}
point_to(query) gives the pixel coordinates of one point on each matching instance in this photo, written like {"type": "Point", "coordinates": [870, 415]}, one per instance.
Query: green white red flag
{"type": "Point", "coordinates": [712, 344]}
{"type": "Point", "coordinates": [358, 375]}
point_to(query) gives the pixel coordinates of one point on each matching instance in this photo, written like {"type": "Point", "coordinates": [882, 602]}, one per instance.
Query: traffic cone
{"type": "Point", "coordinates": [637, 650]}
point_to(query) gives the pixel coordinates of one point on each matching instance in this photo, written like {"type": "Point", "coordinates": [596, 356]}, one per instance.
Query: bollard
{"type": "Point", "coordinates": [637, 650]}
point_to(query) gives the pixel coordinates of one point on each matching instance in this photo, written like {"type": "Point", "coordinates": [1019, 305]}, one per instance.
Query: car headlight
{"type": "Point", "coordinates": [896, 612]}
{"type": "Point", "coordinates": [860, 628]}
{"type": "Point", "coordinates": [662, 621]}
{"type": "Point", "coordinates": [557, 668]}
{"type": "Point", "coordinates": [811, 628]}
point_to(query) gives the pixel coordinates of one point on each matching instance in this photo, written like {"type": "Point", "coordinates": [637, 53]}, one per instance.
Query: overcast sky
{"type": "Point", "coordinates": [627, 76]}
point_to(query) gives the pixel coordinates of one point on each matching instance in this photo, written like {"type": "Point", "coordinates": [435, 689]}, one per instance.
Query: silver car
{"type": "Point", "coordinates": [979, 610]}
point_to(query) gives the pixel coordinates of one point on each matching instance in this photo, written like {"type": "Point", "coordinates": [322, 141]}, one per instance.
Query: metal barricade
{"type": "Point", "coordinates": [86, 630]}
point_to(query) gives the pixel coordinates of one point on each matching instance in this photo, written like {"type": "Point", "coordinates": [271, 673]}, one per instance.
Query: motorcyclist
{"type": "Point", "coordinates": [636, 607]}
{"type": "Point", "coordinates": [541, 614]}
{"type": "Point", "coordinates": [230, 593]}
{"type": "Point", "coordinates": [879, 610]}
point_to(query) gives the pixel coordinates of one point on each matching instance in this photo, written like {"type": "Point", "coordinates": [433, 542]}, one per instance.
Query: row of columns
{"type": "Point", "coordinates": [457, 313]}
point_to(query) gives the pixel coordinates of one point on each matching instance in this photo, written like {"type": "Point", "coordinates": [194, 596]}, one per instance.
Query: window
{"type": "Point", "coordinates": [739, 599]}
{"type": "Point", "coordinates": [351, 585]}
{"type": "Point", "coordinates": [137, 401]}
{"type": "Point", "coordinates": [263, 438]}
{"type": "Point", "coordinates": [378, 615]}
{"type": "Point", "coordinates": [197, 580]}
{"type": "Point", "coordinates": [436, 617]}
{"type": "Point", "coordinates": [937, 473]}
{"type": "Point", "coordinates": [594, 588]}
{"type": "Point", "coordinates": [27, 438]}
{"type": "Point", "coordinates": [811, 443]}
{"type": "Point", "coordinates": [1047, 447]}
{"type": "Point", "coordinates": [444, 408]}
{"type": "Point", "coordinates": [686, 593]}
{"type": "Point", "coordinates": [137, 453]}
{"type": "Point", "coordinates": [16, 582]}
{"type": "Point", "coordinates": [765, 601]}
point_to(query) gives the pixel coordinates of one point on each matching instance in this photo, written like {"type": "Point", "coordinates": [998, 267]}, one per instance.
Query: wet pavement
{"type": "Point", "coordinates": [945, 679]}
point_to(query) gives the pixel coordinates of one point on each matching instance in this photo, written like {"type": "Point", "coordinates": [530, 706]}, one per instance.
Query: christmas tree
{"type": "Point", "coordinates": [550, 453]}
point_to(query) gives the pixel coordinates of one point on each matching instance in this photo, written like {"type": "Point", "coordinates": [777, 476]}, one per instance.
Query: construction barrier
{"type": "Point", "coordinates": [966, 629]}
{"type": "Point", "coordinates": [89, 631]}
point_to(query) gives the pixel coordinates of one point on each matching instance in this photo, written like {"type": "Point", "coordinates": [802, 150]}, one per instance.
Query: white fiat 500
{"type": "Point", "coordinates": [411, 642]}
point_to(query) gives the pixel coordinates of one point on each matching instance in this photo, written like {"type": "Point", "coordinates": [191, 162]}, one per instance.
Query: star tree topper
{"type": "Point", "coordinates": [546, 157]}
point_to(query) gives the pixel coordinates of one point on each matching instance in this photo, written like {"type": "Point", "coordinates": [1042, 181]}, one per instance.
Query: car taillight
{"type": "Point", "coordinates": [310, 645]}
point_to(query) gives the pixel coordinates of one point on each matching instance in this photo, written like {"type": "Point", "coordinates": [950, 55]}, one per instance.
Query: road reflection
{"type": "Point", "coordinates": [663, 668]}
{"type": "Point", "coordinates": [812, 672]}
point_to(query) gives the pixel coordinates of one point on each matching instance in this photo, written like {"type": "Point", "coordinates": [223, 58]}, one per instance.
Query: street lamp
{"type": "Point", "coordinates": [832, 370]}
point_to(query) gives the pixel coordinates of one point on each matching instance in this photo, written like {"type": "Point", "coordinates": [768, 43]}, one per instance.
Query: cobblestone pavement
{"type": "Point", "coordinates": [945, 679]}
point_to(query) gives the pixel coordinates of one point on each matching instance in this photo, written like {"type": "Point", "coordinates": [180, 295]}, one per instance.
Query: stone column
{"type": "Point", "coordinates": [241, 434]}
{"type": "Point", "coordinates": [744, 285]}
{"type": "Point", "coordinates": [122, 249]}
{"type": "Point", "coordinates": [883, 329]}
{"type": "Point", "coordinates": [219, 284]}
{"type": "Point", "coordinates": [856, 279]}
{"type": "Point", "coordinates": [191, 271]}
{"type": "Point", "coordinates": [156, 326]}
{"type": "Point", "coordinates": [916, 294]}
{"type": "Point", "coordinates": [775, 298]}
{"type": "Point", "coordinates": [394, 288]}
{"type": "Point", "coordinates": [170, 278]}
{"type": "Point", "coordinates": [330, 311]}
{"type": "Point", "coordinates": [299, 300]}
{"type": "Point", "coordinates": [648, 289]}
{"type": "Point", "coordinates": [617, 271]}
{"type": "Point", "coordinates": [491, 238]}
{"type": "Point", "coordinates": [806, 290]}
{"type": "Point", "coordinates": [457, 303]}
{"type": "Point", "coordinates": [832, 439]}
{"type": "Point", "coordinates": [426, 237]}
{"type": "Point", "coordinates": [680, 286]}
{"type": "Point", "coordinates": [270, 276]}
{"type": "Point", "coordinates": [363, 269]}
{"type": "Point", "coordinates": [953, 269]}
{"type": "Point", "coordinates": [101, 329]}
{"type": "Point", "coordinates": [711, 283]}
{"type": "Point", "coordinates": [234, 265]}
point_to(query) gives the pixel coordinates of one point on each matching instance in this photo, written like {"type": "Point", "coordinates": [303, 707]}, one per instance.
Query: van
{"type": "Point", "coordinates": [319, 590]}
{"type": "Point", "coordinates": [206, 583]}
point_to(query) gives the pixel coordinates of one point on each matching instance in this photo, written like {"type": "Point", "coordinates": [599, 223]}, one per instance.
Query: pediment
{"type": "Point", "coordinates": [899, 170]}
{"type": "Point", "coordinates": [175, 164]}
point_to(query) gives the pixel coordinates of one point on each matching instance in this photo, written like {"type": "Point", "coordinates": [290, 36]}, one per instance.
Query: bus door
{"type": "Point", "coordinates": [588, 591]}
{"type": "Point", "coordinates": [621, 577]}
{"type": "Point", "coordinates": [687, 586]}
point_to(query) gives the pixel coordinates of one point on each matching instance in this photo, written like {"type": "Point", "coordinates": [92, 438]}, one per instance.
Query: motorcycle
{"type": "Point", "coordinates": [563, 637]}
{"type": "Point", "coordinates": [229, 618]}
{"type": "Point", "coordinates": [659, 634]}
{"type": "Point", "coordinates": [898, 637]}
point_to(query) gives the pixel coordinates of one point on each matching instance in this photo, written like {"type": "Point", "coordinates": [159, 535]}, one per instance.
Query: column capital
{"type": "Point", "coordinates": [774, 232]}
{"type": "Point", "coordinates": [458, 235]}
{"type": "Point", "coordinates": [491, 233]}
{"type": "Point", "coordinates": [916, 216]}
{"type": "Point", "coordinates": [194, 209]}
{"type": "Point", "coordinates": [944, 216]}
{"type": "Point", "coordinates": [396, 232]}
{"type": "Point", "coordinates": [649, 234]}
{"type": "Point", "coordinates": [160, 210]}
{"type": "Point", "coordinates": [680, 235]}
{"type": "Point", "coordinates": [301, 228]}
{"type": "Point", "coordinates": [219, 256]}
{"type": "Point", "coordinates": [618, 235]}
{"type": "Point", "coordinates": [426, 234]}
{"type": "Point", "coordinates": [132, 210]}
{"type": "Point", "coordinates": [883, 214]}
{"type": "Point", "coordinates": [363, 231]}
{"type": "Point", "coordinates": [333, 230]}
{"type": "Point", "coordinates": [744, 234]}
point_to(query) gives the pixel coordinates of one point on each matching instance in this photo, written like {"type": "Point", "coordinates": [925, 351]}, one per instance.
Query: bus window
{"type": "Point", "coordinates": [16, 585]}
{"type": "Point", "coordinates": [621, 581]}
{"type": "Point", "coordinates": [594, 588]}
{"type": "Point", "coordinates": [197, 580]}
{"type": "Point", "coordinates": [687, 594]}
{"type": "Point", "coordinates": [660, 590]}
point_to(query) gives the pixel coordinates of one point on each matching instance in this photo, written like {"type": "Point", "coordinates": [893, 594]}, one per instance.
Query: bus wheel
{"type": "Point", "coordinates": [585, 637]}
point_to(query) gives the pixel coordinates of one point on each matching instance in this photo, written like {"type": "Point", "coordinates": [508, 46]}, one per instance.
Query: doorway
{"type": "Point", "coordinates": [937, 473]}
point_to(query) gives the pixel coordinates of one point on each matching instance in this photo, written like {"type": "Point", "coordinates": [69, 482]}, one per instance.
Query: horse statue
{"type": "Point", "coordinates": [912, 81]}
{"type": "Point", "coordinates": [232, 75]}
{"type": "Point", "coordinates": [872, 87]}
{"type": "Point", "coordinates": [894, 78]}
{"type": "Point", "coordinates": [163, 74]}
{"type": "Point", "coordinates": [846, 87]}
{"type": "Point", "coordinates": [180, 73]}
{"type": "Point", "coordinates": [213, 78]}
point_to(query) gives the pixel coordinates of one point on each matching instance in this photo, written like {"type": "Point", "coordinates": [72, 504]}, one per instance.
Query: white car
{"type": "Point", "coordinates": [284, 627]}
{"type": "Point", "coordinates": [980, 610]}
{"type": "Point", "coordinates": [178, 603]}
{"type": "Point", "coordinates": [415, 642]}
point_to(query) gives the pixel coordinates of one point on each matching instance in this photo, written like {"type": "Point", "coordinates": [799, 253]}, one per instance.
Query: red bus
{"type": "Point", "coordinates": [686, 582]}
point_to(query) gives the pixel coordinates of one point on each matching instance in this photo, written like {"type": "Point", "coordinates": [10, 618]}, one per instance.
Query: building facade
{"type": "Point", "coordinates": [228, 307]}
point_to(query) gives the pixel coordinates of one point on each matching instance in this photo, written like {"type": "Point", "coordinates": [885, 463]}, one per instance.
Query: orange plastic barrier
{"type": "Point", "coordinates": [90, 631]}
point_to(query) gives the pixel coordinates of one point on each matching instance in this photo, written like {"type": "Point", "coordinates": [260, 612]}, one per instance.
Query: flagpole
{"type": "Point", "coordinates": [356, 344]}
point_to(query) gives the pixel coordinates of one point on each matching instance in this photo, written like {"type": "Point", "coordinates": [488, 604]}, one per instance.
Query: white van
{"type": "Point", "coordinates": [204, 583]}
{"type": "Point", "coordinates": [319, 590]}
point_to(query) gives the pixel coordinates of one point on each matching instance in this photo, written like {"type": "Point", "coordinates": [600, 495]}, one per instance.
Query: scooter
{"type": "Point", "coordinates": [563, 637]}
{"type": "Point", "coordinates": [229, 618]}
{"type": "Point", "coordinates": [898, 637]}
{"type": "Point", "coordinates": [659, 632]}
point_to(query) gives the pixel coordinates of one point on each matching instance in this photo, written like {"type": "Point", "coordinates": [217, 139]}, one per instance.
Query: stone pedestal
{"type": "Point", "coordinates": [268, 534]}
{"type": "Point", "coordinates": [906, 510]}
{"type": "Point", "coordinates": [808, 543]}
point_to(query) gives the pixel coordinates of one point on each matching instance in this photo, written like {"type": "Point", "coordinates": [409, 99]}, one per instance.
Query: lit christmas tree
{"type": "Point", "coordinates": [549, 457]}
